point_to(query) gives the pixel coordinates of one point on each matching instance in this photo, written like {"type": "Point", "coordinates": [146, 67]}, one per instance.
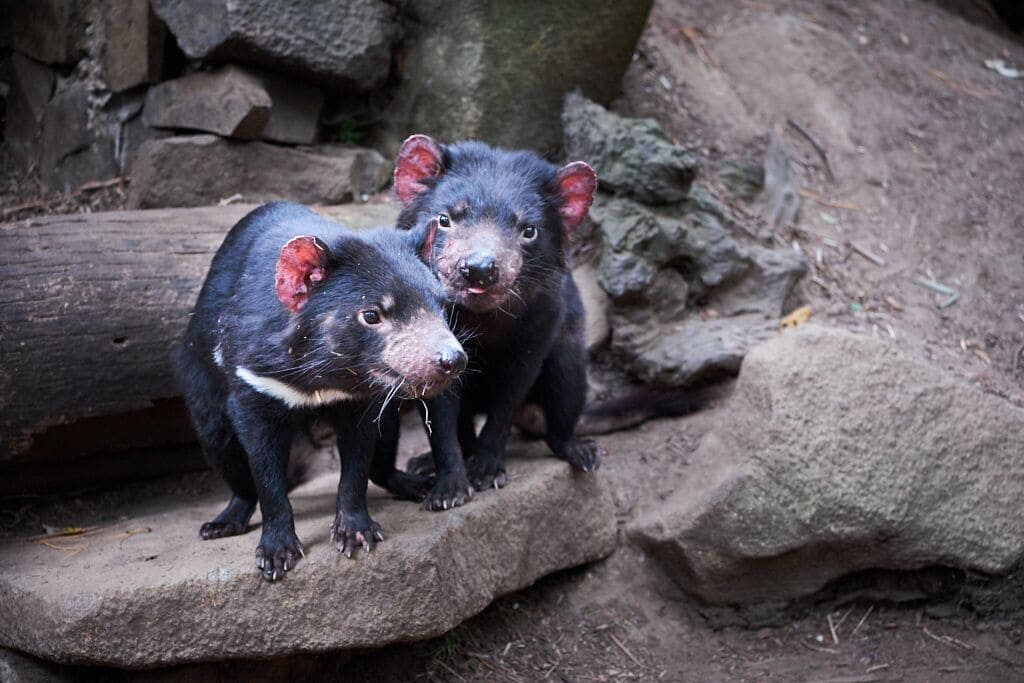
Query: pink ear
{"type": "Point", "coordinates": [419, 158]}
{"type": "Point", "coordinates": [427, 246]}
{"type": "Point", "coordinates": [576, 183]}
{"type": "Point", "coordinates": [300, 265]}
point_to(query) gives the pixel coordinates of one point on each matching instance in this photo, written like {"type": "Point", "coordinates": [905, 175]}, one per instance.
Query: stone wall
{"type": "Point", "coordinates": [101, 89]}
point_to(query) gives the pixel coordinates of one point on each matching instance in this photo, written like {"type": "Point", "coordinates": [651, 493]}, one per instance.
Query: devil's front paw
{"type": "Point", "coordinates": [277, 553]}
{"type": "Point", "coordinates": [486, 471]}
{"type": "Point", "coordinates": [351, 530]}
{"type": "Point", "coordinates": [449, 491]}
{"type": "Point", "coordinates": [583, 454]}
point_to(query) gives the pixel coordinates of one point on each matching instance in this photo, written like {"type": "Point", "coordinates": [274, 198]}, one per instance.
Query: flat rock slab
{"type": "Point", "coordinates": [230, 102]}
{"type": "Point", "coordinates": [146, 591]}
{"type": "Point", "coordinates": [200, 170]}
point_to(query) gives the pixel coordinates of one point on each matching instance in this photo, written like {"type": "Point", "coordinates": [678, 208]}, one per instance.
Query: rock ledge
{"type": "Point", "coordinates": [162, 596]}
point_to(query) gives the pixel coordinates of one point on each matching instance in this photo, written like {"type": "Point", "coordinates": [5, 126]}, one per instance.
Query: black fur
{"type": "Point", "coordinates": [239, 322]}
{"type": "Point", "coordinates": [531, 348]}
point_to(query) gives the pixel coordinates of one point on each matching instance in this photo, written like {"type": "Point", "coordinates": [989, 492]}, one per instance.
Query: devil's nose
{"type": "Point", "coordinates": [480, 269]}
{"type": "Point", "coordinates": [452, 361]}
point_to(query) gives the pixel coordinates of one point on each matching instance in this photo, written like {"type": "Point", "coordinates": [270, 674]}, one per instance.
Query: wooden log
{"type": "Point", "coordinates": [90, 306]}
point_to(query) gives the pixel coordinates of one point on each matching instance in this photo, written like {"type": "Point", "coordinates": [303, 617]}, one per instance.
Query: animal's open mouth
{"type": "Point", "coordinates": [481, 298]}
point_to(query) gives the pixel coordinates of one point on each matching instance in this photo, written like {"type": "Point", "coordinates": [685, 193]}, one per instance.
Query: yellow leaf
{"type": "Point", "coordinates": [797, 317]}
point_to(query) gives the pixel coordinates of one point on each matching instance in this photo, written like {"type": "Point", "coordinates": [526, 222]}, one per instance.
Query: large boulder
{"type": "Point", "coordinates": [203, 169]}
{"type": "Point", "coordinates": [346, 43]}
{"type": "Point", "coordinates": [838, 453]}
{"type": "Point", "coordinates": [146, 591]}
{"type": "Point", "coordinates": [503, 79]}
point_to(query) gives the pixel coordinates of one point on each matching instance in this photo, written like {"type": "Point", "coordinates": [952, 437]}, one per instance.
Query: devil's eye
{"type": "Point", "coordinates": [529, 232]}
{"type": "Point", "coordinates": [444, 221]}
{"type": "Point", "coordinates": [370, 317]}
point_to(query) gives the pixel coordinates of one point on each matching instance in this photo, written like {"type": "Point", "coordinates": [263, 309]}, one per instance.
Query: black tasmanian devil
{"type": "Point", "coordinates": [302, 320]}
{"type": "Point", "coordinates": [502, 222]}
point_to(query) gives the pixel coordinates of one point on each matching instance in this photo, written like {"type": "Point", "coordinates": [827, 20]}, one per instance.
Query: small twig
{"type": "Point", "coordinates": [132, 532]}
{"type": "Point", "coordinates": [816, 145]}
{"type": "Point", "coordinates": [450, 670]}
{"type": "Point", "coordinates": [625, 650]}
{"type": "Point", "coordinates": [868, 254]}
{"type": "Point", "coordinates": [25, 206]}
{"type": "Point", "coordinates": [98, 185]}
{"type": "Point", "coordinates": [954, 84]}
{"type": "Point", "coordinates": [693, 36]}
{"type": "Point", "coordinates": [833, 203]}
{"type": "Point", "coordinates": [876, 667]}
{"type": "Point", "coordinates": [818, 649]}
{"type": "Point", "coordinates": [953, 295]}
{"type": "Point", "coordinates": [947, 640]}
{"type": "Point", "coordinates": [832, 629]}
{"type": "Point", "coordinates": [821, 283]}
{"type": "Point", "coordinates": [66, 532]}
{"type": "Point", "coordinates": [1016, 360]}
{"type": "Point", "coordinates": [893, 304]}
{"type": "Point", "coordinates": [842, 619]}
{"type": "Point", "coordinates": [230, 200]}
{"type": "Point", "coordinates": [862, 620]}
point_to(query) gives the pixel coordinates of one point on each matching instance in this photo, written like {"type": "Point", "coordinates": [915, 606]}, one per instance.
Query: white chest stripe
{"type": "Point", "coordinates": [290, 396]}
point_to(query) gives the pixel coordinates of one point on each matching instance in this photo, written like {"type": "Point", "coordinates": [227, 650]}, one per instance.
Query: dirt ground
{"type": "Point", "coordinates": [924, 143]}
{"type": "Point", "coordinates": [926, 150]}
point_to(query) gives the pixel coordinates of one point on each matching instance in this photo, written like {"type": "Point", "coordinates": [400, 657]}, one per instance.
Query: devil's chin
{"type": "Point", "coordinates": [427, 390]}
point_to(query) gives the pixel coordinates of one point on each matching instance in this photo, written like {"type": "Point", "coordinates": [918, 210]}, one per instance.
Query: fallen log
{"type": "Point", "coordinates": [90, 305]}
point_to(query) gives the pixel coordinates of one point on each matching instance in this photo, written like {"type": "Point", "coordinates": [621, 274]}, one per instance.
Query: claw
{"type": "Point", "coordinates": [445, 504]}
{"type": "Point", "coordinates": [496, 484]}
{"type": "Point", "coordinates": [273, 576]}
{"type": "Point", "coordinates": [366, 547]}
{"type": "Point", "coordinates": [378, 535]}
{"type": "Point", "coordinates": [348, 551]}
{"type": "Point", "coordinates": [302, 551]}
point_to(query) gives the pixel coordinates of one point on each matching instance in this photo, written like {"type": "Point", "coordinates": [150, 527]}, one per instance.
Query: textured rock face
{"type": "Point", "coordinates": [31, 87]}
{"type": "Point", "coordinates": [229, 102]}
{"type": "Point", "coordinates": [348, 43]}
{"type": "Point", "coordinates": [838, 454]}
{"type": "Point", "coordinates": [633, 157]}
{"type": "Point", "coordinates": [657, 262]}
{"type": "Point", "coordinates": [502, 80]}
{"type": "Point", "coordinates": [202, 169]}
{"type": "Point", "coordinates": [163, 596]}
{"type": "Point", "coordinates": [690, 289]}
{"type": "Point", "coordinates": [70, 153]}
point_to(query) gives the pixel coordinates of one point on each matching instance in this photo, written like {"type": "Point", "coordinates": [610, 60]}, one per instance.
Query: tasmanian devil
{"type": "Point", "coordinates": [501, 222]}
{"type": "Point", "coordinates": [300, 320]}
